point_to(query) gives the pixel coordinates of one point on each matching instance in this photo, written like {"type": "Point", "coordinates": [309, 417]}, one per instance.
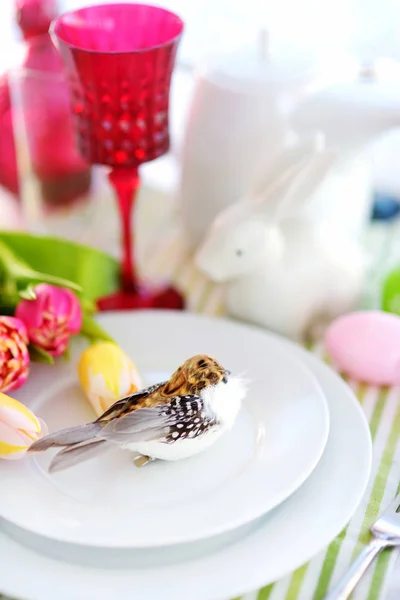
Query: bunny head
{"type": "Point", "coordinates": [238, 242]}
{"type": "Point", "coordinates": [247, 235]}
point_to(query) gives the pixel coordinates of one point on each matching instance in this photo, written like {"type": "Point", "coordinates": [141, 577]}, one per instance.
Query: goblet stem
{"type": "Point", "coordinates": [126, 182]}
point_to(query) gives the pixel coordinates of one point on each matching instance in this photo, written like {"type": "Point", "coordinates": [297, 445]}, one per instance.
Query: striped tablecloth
{"type": "Point", "coordinates": [170, 257]}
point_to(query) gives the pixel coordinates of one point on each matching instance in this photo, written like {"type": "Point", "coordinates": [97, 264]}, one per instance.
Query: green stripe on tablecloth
{"type": "Point", "coordinates": [265, 592]}
{"type": "Point", "coordinates": [380, 481]}
{"type": "Point", "coordinates": [378, 410]}
{"type": "Point", "coordinates": [380, 571]}
{"type": "Point", "coordinates": [296, 582]}
{"type": "Point", "coordinates": [298, 575]}
{"type": "Point", "coordinates": [294, 586]}
{"type": "Point", "coordinates": [328, 566]}
{"type": "Point", "coordinates": [333, 550]}
{"type": "Point", "coordinates": [335, 546]}
{"type": "Point", "coordinates": [382, 564]}
{"type": "Point", "coordinates": [379, 575]}
{"type": "Point", "coordinates": [331, 554]}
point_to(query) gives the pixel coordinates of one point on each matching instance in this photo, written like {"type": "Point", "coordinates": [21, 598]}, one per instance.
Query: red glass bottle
{"type": "Point", "coordinates": [63, 175]}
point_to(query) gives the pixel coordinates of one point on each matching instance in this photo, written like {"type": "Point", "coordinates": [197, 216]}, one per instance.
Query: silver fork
{"type": "Point", "coordinates": [386, 534]}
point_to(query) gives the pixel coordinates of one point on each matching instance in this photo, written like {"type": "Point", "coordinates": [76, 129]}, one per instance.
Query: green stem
{"type": "Point", "coordinates": [39, 355]}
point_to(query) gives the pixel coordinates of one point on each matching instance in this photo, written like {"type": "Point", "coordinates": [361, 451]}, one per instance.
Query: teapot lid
{"type": "Point", "coordinates": [249, 70]}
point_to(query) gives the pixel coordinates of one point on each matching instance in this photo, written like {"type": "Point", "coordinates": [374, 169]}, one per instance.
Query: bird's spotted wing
{"type": "Point", "coordinates": [125, 405]}
{"type": "Point", "coordinates": [190, 417]}
{"type": "Point", "coordinates": [183, 417]}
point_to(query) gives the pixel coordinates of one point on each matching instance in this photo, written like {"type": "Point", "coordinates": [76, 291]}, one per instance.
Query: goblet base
{"type": "Point", "coordinates": [165, 297]}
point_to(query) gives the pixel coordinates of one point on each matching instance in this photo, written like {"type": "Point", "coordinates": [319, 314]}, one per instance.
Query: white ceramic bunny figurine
{"type": "Point", "coordinates": [285, 273]}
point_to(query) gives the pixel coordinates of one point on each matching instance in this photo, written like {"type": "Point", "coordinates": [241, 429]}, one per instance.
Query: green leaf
{"type": "Point", "coordinates": [63, 262]}
{"type": "Point", "coordinates": [39, 355]}
{"type": "Point", "coordinates": [17, 270]}
{"type": "Point", "coordinates": [93, 331]}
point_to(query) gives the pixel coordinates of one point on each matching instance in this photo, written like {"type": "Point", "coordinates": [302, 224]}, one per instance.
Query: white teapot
{"type": "Point", "coordinates": [249, 108]}
{"type": "Point", "coordinates": [238, 120]}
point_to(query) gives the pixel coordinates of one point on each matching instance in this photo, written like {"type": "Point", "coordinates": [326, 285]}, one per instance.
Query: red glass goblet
{"type": "Point", "coordinates": [119, 60]}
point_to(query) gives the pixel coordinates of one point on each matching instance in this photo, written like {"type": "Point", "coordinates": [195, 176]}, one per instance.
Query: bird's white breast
{"type": "Point", "coordinates": [224, 401]}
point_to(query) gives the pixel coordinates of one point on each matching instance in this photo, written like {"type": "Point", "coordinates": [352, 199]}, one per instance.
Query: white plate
{"type": "Point", "coordinates": [284, 539]}
{"type": "Point", "coordinates": [277, 441]}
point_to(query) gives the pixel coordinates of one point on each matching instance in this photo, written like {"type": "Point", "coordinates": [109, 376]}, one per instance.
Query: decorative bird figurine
{"type": "Point", "coordinates": [169, 421]}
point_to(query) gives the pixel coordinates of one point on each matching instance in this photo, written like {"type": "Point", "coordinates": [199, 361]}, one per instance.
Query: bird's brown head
{"type": "Point", "coordinates": [195, 374]}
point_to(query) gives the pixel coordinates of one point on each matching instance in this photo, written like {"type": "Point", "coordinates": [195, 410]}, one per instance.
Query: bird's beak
{"type": "Point", "coordinates": [225, 378]}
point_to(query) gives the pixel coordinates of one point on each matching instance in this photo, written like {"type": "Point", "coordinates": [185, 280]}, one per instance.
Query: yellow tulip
{"type": "Point", "coordinates": [19, 428]}
{"type": "Point", "coordinates": [107, 374]}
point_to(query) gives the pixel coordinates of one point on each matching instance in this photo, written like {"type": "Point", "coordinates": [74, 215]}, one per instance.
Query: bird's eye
{"type": "Point", "coordinates": [225, 379]}
{"type": "Point", "coordinates": [239, 252]}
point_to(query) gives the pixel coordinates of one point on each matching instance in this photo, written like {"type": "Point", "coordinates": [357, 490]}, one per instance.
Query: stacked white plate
{"type": "Point", "coordinates": [267, 496]}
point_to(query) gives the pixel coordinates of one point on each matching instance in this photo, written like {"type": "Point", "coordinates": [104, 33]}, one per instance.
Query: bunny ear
{"type": "Point", "coordinates": [278, 177]}
{"type": "Point", "coordinates": [290, 179]}
{"type": "Point", "coordinates": [306, 183]}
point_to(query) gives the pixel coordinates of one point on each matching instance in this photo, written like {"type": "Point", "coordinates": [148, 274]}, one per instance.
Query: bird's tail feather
{"type": "Point", "coordinates": [73, 455]}
{"type": "Point", "coordinates": [66, 437]}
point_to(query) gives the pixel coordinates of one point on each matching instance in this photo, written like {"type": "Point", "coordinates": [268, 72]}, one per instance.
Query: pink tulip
{"type": "Point", "coordinates": [14, 355]}
{"type": "Point", "coordinates": [51, 318]}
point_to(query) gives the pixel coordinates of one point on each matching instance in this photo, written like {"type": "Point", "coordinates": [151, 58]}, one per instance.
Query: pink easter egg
{"type": "Point", "coordinates": [366, 346]}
